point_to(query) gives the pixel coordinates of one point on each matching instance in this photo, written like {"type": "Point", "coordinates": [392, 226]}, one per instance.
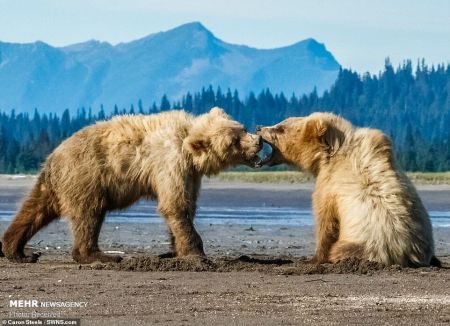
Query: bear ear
{"type": "Point", "coordinates": [218, 111]}
{"type": "Point", "coordinates": [196, 145]}
{"type": "Point", "coordinates": [333, 139]}
{"type": "Point", "coordinates": [314, 129]}
{"type": "Point", "coordinates": [326, 133]}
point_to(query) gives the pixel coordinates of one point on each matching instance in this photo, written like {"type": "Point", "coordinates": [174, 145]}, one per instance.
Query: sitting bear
{"type": "Point", "coordinates": [112, 164]}
{"type": "Point", "coordinates": [364, 206]}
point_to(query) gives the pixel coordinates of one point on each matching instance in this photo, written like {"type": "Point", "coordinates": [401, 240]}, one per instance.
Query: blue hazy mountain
{"type": "Point", "coordinates": [174, 62]}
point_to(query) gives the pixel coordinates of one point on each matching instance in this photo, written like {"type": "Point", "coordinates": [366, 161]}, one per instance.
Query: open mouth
{"type": "Point", "coordinates": [265, 155]}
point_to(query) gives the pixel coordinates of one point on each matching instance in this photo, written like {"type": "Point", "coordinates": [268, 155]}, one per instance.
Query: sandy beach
{"type": "Point", "coordinates": [254, 274]}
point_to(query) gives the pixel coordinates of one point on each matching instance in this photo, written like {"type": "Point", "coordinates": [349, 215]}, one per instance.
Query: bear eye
{"type": "Point", "coordinates": [236, 141]}
{"type": "Point", "coordinates": [279, 129]}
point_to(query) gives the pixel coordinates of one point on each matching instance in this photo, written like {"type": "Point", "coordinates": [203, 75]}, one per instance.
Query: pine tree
{"type": "Point", "coordinates": [12, 151]}
{"type": "Point", "coordinates": [165, 104]}
{"type": "Point", "coordinates": [410, 151]}
{"type": "Point", "coordinates": [116, 110]}
{"type": "Point", "coordinates": [188, 103]}
{"type": "Point", "coordinates": [27, 160]}
{"type": "Point", "coordinates": [101, 113]}
{"type": "Point", "coordinates": [65, 124]}
{"type": "Point", "coordinates": [140, 107]}
{"type": "Point", "coordinates": [2, 151]}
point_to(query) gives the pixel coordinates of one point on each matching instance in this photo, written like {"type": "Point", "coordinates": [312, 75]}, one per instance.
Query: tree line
{"type": "Point", "coordinates": [411, 105]}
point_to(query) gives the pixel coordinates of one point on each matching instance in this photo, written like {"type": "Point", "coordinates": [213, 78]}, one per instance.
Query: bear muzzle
{"type": "Point", "coordinates": [269, 151]}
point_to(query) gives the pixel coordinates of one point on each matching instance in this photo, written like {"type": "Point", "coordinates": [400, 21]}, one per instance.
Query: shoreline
{"type": "Point", "coordinates": [422, 181]}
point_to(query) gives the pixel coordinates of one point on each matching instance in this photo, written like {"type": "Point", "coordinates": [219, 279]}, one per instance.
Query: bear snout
{"type": "Point", "coordinates": [259, 142]}
{"type": "Point", "coordinates": [264, 133]}
{"type": "Point", "coordinates": [255, 142]}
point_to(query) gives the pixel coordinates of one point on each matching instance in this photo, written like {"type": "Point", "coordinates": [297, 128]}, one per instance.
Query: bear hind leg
{"type": "Point", "coordinates": [86, 231]}
{"type": "Point", "coordinates": [37, 211]}
{"type": "Point", "coordinates": [343, 249]}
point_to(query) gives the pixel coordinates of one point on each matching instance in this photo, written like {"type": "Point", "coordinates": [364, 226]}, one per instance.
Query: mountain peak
{"type": "Point", "coordinates": [309, 43]}
{"type": "Point", "coordinates": [192, 28]}
{"type": "Point", "coordinates": [195, 26]}
{"type": "Point", "coordinates": [315, 46]}
{"type": "Point", "coordinates": [177, 34]}
{"type": "Point", "coordinates": [172, 62]}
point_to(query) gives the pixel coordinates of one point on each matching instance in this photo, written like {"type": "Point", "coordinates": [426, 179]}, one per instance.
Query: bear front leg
{"type": "Point", "coordinates": [86, 230]}
{"type": "Point", "coordinates": [179, 211]}
{"type": "Point", "coordinates": [187, 240]}
{"type": "Point", "coordinates": [192, 207]}
{"type": "Point", "coordinates": [193, 189]}
{"type": "Point", "coordinates": [327, 227]}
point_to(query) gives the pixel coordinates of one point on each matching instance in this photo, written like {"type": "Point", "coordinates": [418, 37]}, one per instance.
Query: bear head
{"type": "Point", "coordinates": [216, 142]}
{"type": "Point", "coordinates": [305, 142]}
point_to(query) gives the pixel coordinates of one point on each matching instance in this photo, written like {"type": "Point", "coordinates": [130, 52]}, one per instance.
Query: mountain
{"type": "Point", "coordinates": [174, 62]}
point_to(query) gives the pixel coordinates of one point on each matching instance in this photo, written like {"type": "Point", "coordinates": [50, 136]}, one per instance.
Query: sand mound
{"type": "Point", "coordinates": [351, 265]}
{"type": "Point", "coordinates": [272, 265]}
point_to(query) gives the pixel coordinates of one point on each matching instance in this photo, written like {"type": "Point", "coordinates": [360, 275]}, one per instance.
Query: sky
{"type": "Point", "coordinates": [360, 34]}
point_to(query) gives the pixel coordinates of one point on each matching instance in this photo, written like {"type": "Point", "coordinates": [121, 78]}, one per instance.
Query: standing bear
{"type": "Point", "coordinates": [112, 164]}
{"type": "Point", "coordinates": [363, 205]}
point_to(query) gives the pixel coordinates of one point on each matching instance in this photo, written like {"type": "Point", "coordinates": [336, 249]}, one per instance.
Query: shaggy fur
{"type": "Point", "coordinates": [363, 205]}
{"type": "Point", "coordinates": [112, 164]}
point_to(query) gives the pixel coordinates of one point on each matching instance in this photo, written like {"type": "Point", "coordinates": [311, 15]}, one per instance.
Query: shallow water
{"type": "Point", "coordinates": [238, 204]}
{"type": "Point", "coordinates": [145, 212]}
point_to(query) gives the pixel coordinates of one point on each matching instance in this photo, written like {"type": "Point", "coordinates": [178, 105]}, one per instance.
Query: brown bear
{"type": "Point", "coordinates": [363, 205]}
{"type": "Point", "coordinates": [112, 164]}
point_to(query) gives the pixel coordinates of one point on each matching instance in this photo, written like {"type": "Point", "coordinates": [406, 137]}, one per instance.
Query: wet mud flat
{"type": "Point", "coordinates": [253, 274]}
{"type": "Point", "coordinates": [231, 290]}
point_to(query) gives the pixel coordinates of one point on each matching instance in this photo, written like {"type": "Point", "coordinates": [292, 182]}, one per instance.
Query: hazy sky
{"type": "Point", "coordinates": [359, 33]}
